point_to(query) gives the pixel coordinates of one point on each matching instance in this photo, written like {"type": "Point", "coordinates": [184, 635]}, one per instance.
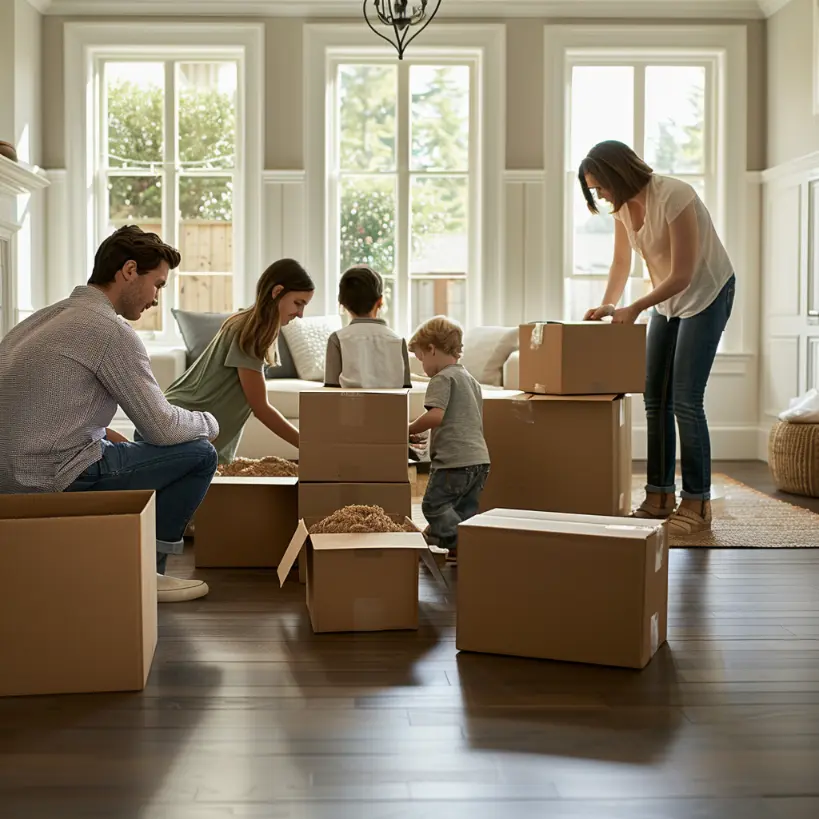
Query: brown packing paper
{"type": "Point", "coordinates": [359, 582]}
{"type": "Point", "coordinates": [68, 632]}
{"type": "Point", "coordinates": [582, 358]}
{"type": "Point", "coordinates": [246, 522]}
{"type": "Point", "coordinates": [595, 589]}
{"type": "Point", "coordinates": [355, 436]}
{"type": "Point", "coordinates": [559, 453]}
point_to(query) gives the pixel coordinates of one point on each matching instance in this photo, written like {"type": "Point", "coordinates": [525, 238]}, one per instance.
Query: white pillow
{"type": "Point", "coordinates": [486, 350]}
{"type": "Point", "coordinates": [307, 340]}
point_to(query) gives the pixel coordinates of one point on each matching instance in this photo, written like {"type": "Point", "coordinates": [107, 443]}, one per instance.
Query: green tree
{"type": "Point", "coordinates": [679, 149]}
{"type": "Point", "coordinates": [207, 128]}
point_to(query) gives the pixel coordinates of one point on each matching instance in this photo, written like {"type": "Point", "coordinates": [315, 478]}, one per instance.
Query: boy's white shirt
{"type": "Point", "coordinates": [372, 356]}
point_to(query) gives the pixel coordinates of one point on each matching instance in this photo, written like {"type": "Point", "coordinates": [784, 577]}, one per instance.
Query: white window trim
{"type": "Point", "coordinates": [324, 46]}
{"type": "Point", "coordinates": [85, 44]}
{"type": "Point", "coordinates": [729, 44]}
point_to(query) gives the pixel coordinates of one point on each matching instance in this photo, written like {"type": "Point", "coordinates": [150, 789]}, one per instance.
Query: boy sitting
{"type": "Point", "coordinates": [365, 354]}
{"type": "Point", "coordinates": [459, 457]}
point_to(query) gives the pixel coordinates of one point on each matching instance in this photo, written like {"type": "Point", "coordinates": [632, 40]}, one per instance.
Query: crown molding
{"type": "Point", "coordinates": [627, 9]}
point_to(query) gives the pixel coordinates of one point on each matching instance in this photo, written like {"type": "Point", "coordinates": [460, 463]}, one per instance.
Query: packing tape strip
{"type": "Point", "coordinates": [540, 389]}
{"type": "Point", "coordinates": [523, 411]}
{"type": "Point", "coordinates": [351, 413]}
{"type": "Point", "coordinates": [662, 536]}
{"type": "Point", "coordinates": [655, 633]}
{"type": "Point", "coordinates": [537, 336]}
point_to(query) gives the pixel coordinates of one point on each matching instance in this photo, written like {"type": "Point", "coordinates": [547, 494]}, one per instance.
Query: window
{"type": "Point", "coordinates": [664, 109]}
{"type": "Point", "coordinates": [164, 130]}
{"type": "Point", "coordinates": [402, 182]}
{"type": "Point", "coordinates": [168, 164]}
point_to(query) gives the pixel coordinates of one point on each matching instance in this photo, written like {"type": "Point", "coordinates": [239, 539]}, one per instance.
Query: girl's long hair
{"type": "Point", "coordinates": [258, 326]}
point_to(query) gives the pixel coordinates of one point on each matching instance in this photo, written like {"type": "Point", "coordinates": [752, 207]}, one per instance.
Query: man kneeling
{"type": "Point", "coordinates": [64, 371]}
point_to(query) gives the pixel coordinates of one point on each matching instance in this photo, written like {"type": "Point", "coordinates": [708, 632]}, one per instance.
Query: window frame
{"type": "Point", "coordinates": [726, 45]}
{"type": "Point", "coordinates": [481, 45]}
{"type": "Point", "coordinates": [403, 176]}
{"type": "Point", "coordinates": [87, 47]}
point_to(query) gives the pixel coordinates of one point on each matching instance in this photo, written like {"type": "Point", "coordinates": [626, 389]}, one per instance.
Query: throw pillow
{"type": "Point", "coordinates": [198, 330]}
{"type": "Point", "coordinates": [307, 339]}
{"type": "Point", "coordinates": [486, 350]}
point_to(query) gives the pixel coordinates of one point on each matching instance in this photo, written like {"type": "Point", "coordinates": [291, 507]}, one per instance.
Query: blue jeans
{"type": "Point", "coordinates": [680, 354]}
{"type": "Point", "coordinates": [452, 497]}
{"type": "Point", "coordinates": [180, 476]}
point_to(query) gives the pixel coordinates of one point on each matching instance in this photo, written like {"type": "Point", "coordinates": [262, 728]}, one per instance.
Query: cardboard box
{"type": "Point", "coordinates": [245, 522]}
{"type": "Point", "coordinates": [595, 590]}
{"type": "Point", "coordinates": [354, 436]}
{"type": "Point", "coordinates": [359, 582]}
{"type": "Point", "coordinates": [559, 453]}
{"type": "Point", "coordinates": [78, 610]}
{"type": "Point", "coordinates": [582, 358]}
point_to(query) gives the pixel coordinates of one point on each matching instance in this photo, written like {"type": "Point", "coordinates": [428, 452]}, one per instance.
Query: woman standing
{"type": "Point", "coordinates": [692, 296]}
{"type": "Point", "coordinates": [228, 378]}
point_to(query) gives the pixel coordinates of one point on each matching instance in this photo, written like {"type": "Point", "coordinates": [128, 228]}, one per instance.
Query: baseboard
{"type": "Point", "coordinates": [739, 442]}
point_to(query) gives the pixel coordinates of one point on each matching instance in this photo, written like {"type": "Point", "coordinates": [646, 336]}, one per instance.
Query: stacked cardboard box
{"type": "Point", "coordinates": [564, 444]}
{"type": "Point", "coordinates": [595, 589]}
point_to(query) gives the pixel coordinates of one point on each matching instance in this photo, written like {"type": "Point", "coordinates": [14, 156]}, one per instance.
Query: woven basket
{"type": "Point", "coordinates": [793, 457]}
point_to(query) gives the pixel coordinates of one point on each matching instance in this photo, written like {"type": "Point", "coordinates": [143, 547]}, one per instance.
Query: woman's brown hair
{"type": "Point", "coordinates": [258, 326]}
{"type": "Point", "coordinates": [617, 169]}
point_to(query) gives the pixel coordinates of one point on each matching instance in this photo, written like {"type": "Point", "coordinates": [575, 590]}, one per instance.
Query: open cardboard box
{"type": "Point", "coordinates": [595, 589]}
{"type": "Point", "coordinates": [582, 358]}
{"type": "Point", "coordinates": [361, 581]}
{"type": "Point", "coordinates": [78, 612]}
{"type": "Point", "coordinates": [245, 522]}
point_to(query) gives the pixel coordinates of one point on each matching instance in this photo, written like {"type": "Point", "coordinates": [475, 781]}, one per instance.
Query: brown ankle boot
{"type": "Point", "coordinates": [650, 509]}
{"type": "Point", "coordinates": [686, 521]}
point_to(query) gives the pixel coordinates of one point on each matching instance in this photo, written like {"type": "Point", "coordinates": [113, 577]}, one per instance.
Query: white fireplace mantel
{"type": "Point", "coordinates": [18, 178]}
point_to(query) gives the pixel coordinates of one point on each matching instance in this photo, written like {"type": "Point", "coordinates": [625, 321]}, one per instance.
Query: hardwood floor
{"type": "Point", "coordinates": [248, 714]}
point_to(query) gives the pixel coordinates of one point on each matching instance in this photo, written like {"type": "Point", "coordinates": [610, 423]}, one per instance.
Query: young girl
{"type": "Point", "coordinates": [227, 380]}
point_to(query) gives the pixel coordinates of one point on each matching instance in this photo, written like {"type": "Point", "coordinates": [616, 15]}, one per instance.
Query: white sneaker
{"type": "Point", "coordinates": [174, 590]}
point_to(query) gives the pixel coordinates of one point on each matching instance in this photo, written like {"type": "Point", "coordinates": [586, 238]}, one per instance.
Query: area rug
{"type": "Point", "coordinates": [744, 518]}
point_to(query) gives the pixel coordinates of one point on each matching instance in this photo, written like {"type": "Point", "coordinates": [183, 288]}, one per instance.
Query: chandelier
{"type": "Point", "coordinates": [395, 15]}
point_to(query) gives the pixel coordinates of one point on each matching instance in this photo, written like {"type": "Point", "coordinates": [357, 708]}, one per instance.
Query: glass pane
{"type": "Point", "coordinates": [135, 102]}
{"type": "Point", "coordinates": [206, 225]}
{"type": "Point", "coordinates": [440, 117]}
{"type": "Point", "coordinates": [593, 236]}
{"type": "Point", "coordinates": [207, 114]}
{"type": "Point", "coordinates": [438, 297]}
{"type": "Point", "coordinates": [367, 224]}
{"type": "Point", "coordinates": [440, 232]}
{"type": "Point", "coordinates": [580, 295]}
{"type": "Point", "coordinates": [675, 118]}
{"type": "Point", "coordinates": [388, 311]}
{"type": "Point", "coordinates": [205, 294]}
{"type": "Point", "coordinates": [602, 104]}
{"type": "Point", "coordinates": [367, 103]}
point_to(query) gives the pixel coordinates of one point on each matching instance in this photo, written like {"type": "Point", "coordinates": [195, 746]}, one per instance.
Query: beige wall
{"type": "Point", "coordinates": [284, 95]}
{"type": "Point", "coordinates": [793, 130]}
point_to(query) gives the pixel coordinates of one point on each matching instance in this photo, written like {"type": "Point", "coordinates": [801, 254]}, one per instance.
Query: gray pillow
{"type": "Point", "coordinates": [198, 330]}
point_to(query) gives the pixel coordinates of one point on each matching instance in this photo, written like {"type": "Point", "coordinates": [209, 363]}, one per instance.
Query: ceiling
{"type": "Point", "coordinates": [629, 9]}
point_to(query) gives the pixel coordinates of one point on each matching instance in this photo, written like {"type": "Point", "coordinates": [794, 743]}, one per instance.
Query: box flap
{"type": "Point", "coordinates": [251, 481]}
{"type": "Point", "coordinates": [609, 520]}
{"type": "Point", "coordinates": [296, 543]}
{"type": "Point", "coordinates": [601, 398]}
{"type": "Point", "coordinates": [621, 530]}
{"type": "Point", "coordinates": [368, 540]}
{"type": "Point", "coordinates": [74, 504]}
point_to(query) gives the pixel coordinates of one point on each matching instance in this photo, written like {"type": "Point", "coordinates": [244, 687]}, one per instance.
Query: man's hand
{"type": "Point", "coordinates": [625, 315]}
{"type": "Point", "coordinates": [599, 313]}
{"type": "Point", "coordinates": [114, 437]}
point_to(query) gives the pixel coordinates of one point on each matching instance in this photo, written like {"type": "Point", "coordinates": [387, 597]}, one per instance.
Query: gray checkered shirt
{"type": "Point", "coordinates": [63, 371]}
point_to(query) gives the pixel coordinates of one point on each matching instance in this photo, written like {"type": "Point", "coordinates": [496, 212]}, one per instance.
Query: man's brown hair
{"type": "Point", "coordinates": [617, 170]}
{"type": "Point", "coordinates": [131, 244]}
